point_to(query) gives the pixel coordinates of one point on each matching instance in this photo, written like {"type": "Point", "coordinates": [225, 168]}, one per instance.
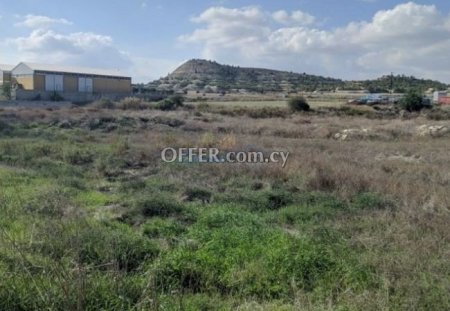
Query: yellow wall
{"type": "Point", "coordinates": [107, 85]}
{"type": "Point", "coordinates": [39, 82]}
{"type": "Point", "coordinates": [101, 85]}
{"type": "Point", "coordinates": [70, 84]}
{"type": "Point", "coordinates": [27, 82]}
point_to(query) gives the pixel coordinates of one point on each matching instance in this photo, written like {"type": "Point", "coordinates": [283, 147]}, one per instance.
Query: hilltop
{"type": "Point", "coordinates": [212, 77]}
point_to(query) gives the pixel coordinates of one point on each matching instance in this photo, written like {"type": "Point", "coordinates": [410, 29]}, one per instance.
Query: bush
{"type": "Point", "coordinates": [172, 122]}
{"type": "Point", "coordinates": [178, 100]}
{"type": "Point", "coordinates": [56, 97]}
{"type": "Point", "coordinates": [367, 200]}
{"type": "Point", "coordinates": [4, 127]}
{"type": "Point", "coordinates": [412, 102]}
{"type": "Point", "coordinates": [171, 103]}
{"type": "Point", "coordinates": [104, 103]}
{"type": "Point", "coordinates": [163, 228]}
{"type": "Point", "coordinates": [114, 243]}
{"type": "Point", "coordinates": [258, 200]}
{"type": "Point", "coordinates": [159, 205]}
{"type": "Point", "coordinates": [78, 156]}
{"type": "Point", "coordinates": [298, 104]}
{"type": "Point", "coordinates": [267, 113]}
{"type": "Point", "coordinates": [198, 194]}
{"type": "Point", "coordinates": [6, 90]}
{"type": "Point", "coordinates": [131, 103]}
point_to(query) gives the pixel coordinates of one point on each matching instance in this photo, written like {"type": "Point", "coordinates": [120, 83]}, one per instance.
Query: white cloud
{"type": "Point", "coordinates": [409, 38]}
{"type": "Point", "coordinates": [230, 29]}
{"type": "Point", "coordinates": [39, 21]}
{"type": "Point", "coordinates": [295, 18]}
{"type": "Point", "coordinates": [44, 45]}
{"type": "Point", "coordinates": [81, 48]}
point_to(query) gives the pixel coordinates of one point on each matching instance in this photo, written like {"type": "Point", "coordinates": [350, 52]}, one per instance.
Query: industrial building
{"type": "Point", "coordinates": [441, 98]}
{"type": "Point", "coordinates": [5, 73]}
{"type": "Point", "coordinates": [69, 80]}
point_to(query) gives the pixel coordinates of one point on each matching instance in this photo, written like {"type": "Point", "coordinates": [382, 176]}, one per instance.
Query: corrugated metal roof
{"type": "Point", "coordinates": [4, 67]}
{"type": "Point", "coordinates": [70, 69]}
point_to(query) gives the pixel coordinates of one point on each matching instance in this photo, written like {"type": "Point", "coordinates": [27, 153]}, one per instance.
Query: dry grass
{"type": "Point", "coordinates": [408, 242]}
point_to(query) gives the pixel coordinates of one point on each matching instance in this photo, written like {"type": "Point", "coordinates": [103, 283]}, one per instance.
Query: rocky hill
{"type": "Point", "coordinates": [212, 77]}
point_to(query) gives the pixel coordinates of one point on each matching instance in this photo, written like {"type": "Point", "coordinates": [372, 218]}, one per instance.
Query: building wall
{"type": "Point", "coordinates": [444, 100]}
{"type": "Point", "coordinates": [27, 81]}
{"type": "Point", "coordinates": [111, 85]}
{"type": "Point", "coordinates": [101, 85]}
{"type": "Point", "coordinates": [70, 84]}
{"type": "Point", "coordinates": [39, 82]}
{"type": "Point", "coordinates": [5, 76]}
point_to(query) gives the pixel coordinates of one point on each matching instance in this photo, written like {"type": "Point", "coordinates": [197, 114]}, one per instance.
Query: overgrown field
{"type": "Point", "coordinates": [92, 219]}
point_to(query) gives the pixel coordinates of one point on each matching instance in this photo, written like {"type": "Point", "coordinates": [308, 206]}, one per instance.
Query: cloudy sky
{"type": "Point", "coordinates": [350, 39]}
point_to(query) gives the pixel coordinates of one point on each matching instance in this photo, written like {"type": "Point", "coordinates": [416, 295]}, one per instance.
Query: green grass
{"type": "Point", "coordinates": [77, 232]}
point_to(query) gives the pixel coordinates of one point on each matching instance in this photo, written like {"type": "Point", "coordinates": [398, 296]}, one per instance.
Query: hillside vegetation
{"type": "Point", "coordinates": [212, 77]}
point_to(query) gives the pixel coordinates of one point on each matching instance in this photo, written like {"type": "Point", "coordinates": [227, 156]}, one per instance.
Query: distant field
{"type": "Point", "coordinates": [332, 102]}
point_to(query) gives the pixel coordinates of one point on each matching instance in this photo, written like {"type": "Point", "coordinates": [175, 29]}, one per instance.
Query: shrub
{"type": "Point", "coordinates": [115, 243]}
{"type": "Point", "coordinates": [436, 114]}
{"type": "Point", "coordinates": [6, 90]}
{"type": "Point", "coordinates": [258, 200]}
{"type": "Point", "coordinates": [171, 103]}
{"type": "Point", "coordinates": [412, 102]}
{"type": "Point", "coordinates": [163, 228]}
{"type": "Point", "coordinates": [109, 165]}
{"type": "Point", "coordinates": [56, 97]}
{"type": "Point", "coordinates": [131, 103]}
{"type": "Point", "coordinates": [267, 113]}
{"type": "Point", "coordinates": [172, 122]}
{"type": "Point", "coordinates": [4, 127]}
{"type": "Point", "coordinates": [78, 156]}
{"type": "Point", "coordinates": [178, 100]}
{"type": "Point", "coordinates": [49, 202]}
{"type": "Point", "coordinates": [200, 194]}
{"type": "Point", "coordinates": [102, 244]}
{"type": "Point", "coordinates": [158, 205]}
{"type": "Point", "coordinates": [298, 104]}
{"type": "Point", "coordinates": [203, 107]}
{"type": "Point", "coordinates": [368, 200]}
{"type": "Point", "coordinates": [104, 103]}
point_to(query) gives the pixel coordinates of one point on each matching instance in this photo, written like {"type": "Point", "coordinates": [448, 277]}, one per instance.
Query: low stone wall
{"type": "Point", "coordinates": [63, 96]}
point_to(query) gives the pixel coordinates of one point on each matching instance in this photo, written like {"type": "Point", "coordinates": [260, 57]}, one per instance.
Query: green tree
{"type": "Point", "coordinates": [412, 102]}
{"type": "Point", "coordinates": [6, 90]}
{"type": "Point", "coordinates": [298, 103]}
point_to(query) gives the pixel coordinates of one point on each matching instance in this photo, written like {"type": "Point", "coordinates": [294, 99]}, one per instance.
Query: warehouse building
{"type": "Point", "coordinates": [69, 80]}
{"type": "Point", "coordinates": [5, 73]}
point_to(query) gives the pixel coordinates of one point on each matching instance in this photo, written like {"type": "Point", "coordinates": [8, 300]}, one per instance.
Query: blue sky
{"type": "Point", "coordinates": [350, 39]}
